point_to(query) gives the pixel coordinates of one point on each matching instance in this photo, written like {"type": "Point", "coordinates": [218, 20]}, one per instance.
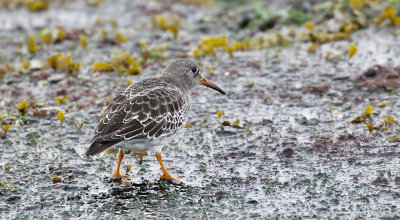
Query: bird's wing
{"type": "Point", "coordinates": [146, 112]}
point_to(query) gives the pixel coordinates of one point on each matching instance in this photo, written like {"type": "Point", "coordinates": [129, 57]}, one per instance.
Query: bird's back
{"type": "Point", "coordinates": [151, 109]}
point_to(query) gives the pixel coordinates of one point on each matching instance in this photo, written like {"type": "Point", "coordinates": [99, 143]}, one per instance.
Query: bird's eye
{"type": "Point", "coordinates": [195, 70]}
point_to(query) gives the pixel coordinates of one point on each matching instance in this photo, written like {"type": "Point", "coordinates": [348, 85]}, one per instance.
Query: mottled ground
{"type": "Point", "coordinates": [293, 154]}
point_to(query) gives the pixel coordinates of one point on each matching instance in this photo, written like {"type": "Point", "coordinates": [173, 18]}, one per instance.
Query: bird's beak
{"type": "Point", "coordinates": [208, 83]}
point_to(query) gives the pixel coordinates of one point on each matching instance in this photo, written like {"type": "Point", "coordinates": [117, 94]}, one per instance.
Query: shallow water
{"type": "Point", "coordinates": [297, 160]}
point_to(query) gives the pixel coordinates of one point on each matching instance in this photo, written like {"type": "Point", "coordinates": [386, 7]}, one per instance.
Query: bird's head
{"type": "Point", "coordinates": [186, 73]}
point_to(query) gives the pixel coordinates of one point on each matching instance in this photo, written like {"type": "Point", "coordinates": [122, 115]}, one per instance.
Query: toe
{"type": "Point", "coordinates": [167, 176]}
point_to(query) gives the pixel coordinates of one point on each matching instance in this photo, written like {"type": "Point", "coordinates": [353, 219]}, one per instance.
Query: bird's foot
{"type": "Point", "coordinates": [119, 175]}
{"type": "Point", "coordinates": [167, 176]}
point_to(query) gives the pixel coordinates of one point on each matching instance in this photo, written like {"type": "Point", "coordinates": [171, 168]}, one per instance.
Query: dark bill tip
{"type": "Point", "coordinates": [208, 83]}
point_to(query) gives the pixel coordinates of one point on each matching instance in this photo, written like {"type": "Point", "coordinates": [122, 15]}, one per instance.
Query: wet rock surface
{"type": "Point", "coordinates": [283, 147]}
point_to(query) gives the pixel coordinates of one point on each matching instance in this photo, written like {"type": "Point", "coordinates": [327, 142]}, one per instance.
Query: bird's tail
{"type": "Point", "coordinates": [98, 147]}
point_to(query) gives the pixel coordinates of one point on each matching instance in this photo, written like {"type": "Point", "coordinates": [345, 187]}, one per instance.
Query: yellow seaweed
{"type": "Point", "coordinates": [312, 48]}
{"type": "Point", "coordinates": [370, 126]}
{"type": "Point", "coordinates": [23, 107]}
{"type": "Point", "coordinates": [113, 22]}
{"type": "Point", "coordinates": [25, 64]}
{"type": "Point", "coordinates": [368, 110]}
{"type": "Point", "coordinates": [36, 5]}
{"type": "Point", "coordinates": [63, 62]}
{"type": "Point", "coordinates": [60, 100]}
{"type": "Point", "coordinates": [102, 66]}
{"type": "Point", "coordinates": [171, 23]}
{"type": "Point", "coordinates": [388, 14]}
{"type": "Point", "coordinates": [6, 128]}
{"type": "Point", "coordinates": [120, 38]}
{"type": "Point", "coordinates": [61, 117]}
{"type": "Point", "coordinates": [31, 43]}
{"type": "Point", "coordinates": [309, 26]}
{"type": "Point", "coordinates": [357, 4]}
{"type": "Point", "coordinates": [219, 113]}
{"type": "Point", "coordinates": [125, 63]}
{"type": "Point", "coordinates": [352, 50]}
{"type": "Point", "coordinates": [82, 41]}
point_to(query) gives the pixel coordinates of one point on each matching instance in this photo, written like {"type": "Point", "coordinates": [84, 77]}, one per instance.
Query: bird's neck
{"type": "Point", "coordinates": [178, 82]}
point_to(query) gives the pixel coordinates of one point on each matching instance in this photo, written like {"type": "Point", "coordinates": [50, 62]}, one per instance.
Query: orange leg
{"type": "Point", "coordinates": [165, 175]}
{"type": "Point", "coordinates": [117, 174]}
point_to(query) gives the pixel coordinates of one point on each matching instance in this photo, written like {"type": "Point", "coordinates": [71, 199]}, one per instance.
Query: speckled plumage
{"type": "Point", "coordinates": [151, 110]}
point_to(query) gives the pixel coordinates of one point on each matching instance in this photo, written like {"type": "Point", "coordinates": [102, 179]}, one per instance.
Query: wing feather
{"type": "Point", "coordinates": [150, 109]}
